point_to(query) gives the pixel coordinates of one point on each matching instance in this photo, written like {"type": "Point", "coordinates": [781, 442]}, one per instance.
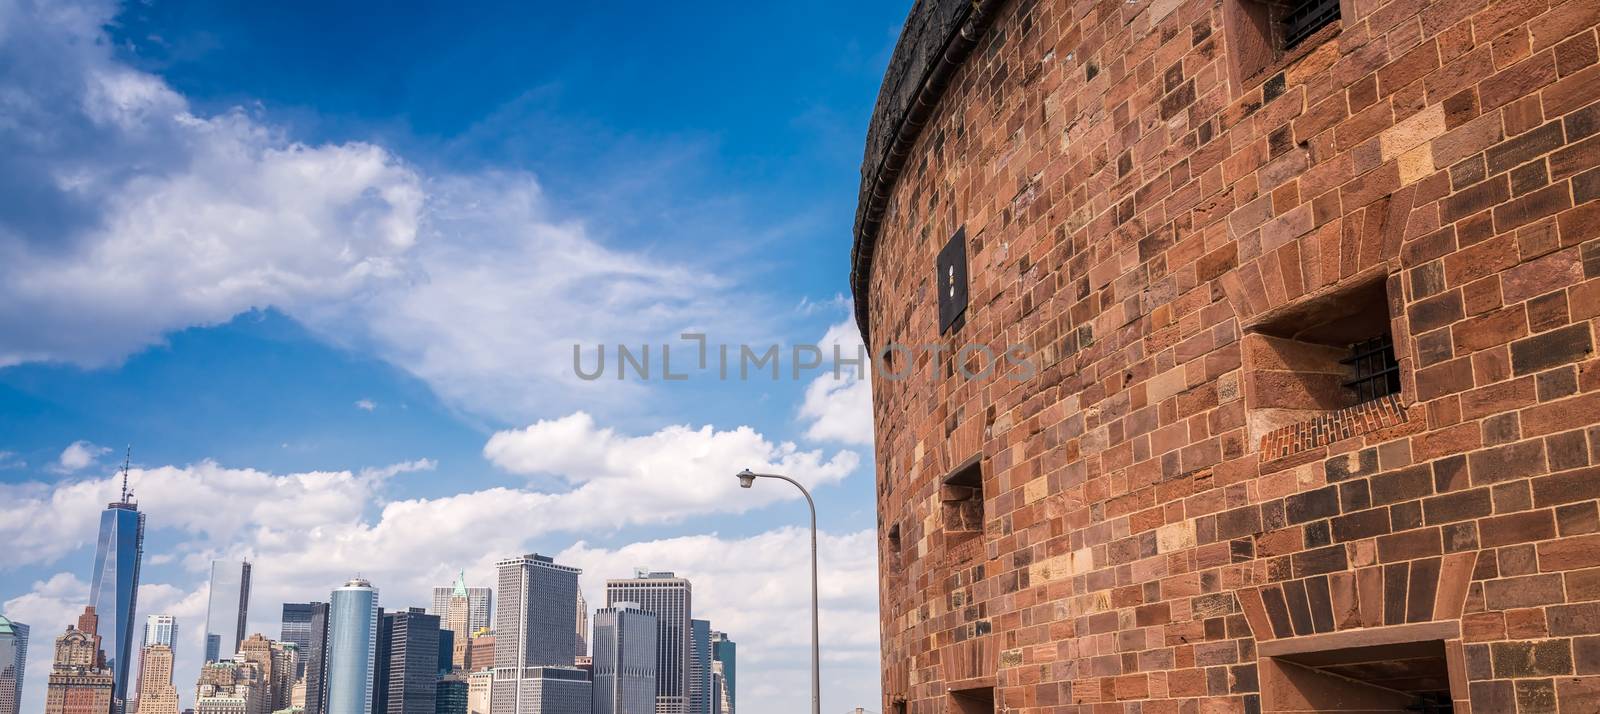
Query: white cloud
{"type": "Point", "coordinates": [204, 499]}
{"type": "Point", "coordinates": [840, 409]}
{"type": "Point", "coordinates": [660, 477]}
{"type": "Point", "coordinates": [78, 456]}
{"type": "Point", "coordinates": [125, 213]}
{"type": "Point", "coordinates": [366, 405]}
{"type": "Point", "coordinates": [10, 460]}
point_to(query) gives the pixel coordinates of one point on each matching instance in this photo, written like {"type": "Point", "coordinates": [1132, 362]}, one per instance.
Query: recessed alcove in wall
{"type": "Point", "coordinates": [1264, 36]}
{"type": "Point", "coordinates": [1306, 364]}
{"type": "Point", "coordinates": [961, 498]}
{"type": "Point", "coordinates": [979, 700]}
{"type": "Point", "coordinates": [1387, 669]}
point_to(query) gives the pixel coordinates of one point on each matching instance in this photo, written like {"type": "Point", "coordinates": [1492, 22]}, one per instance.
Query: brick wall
{"type": "Point", "coordinates": [1133, 207]}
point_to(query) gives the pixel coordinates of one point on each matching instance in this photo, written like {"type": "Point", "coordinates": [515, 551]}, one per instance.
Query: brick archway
{"type": "Point", "coordinates": [1366, 637]}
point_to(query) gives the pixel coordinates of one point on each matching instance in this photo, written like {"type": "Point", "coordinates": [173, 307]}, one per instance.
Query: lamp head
{"type": "Point", "coordinates": [746, 478]}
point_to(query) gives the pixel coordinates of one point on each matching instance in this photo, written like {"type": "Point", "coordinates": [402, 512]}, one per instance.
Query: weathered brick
{"type": "Point", "coordinates": [1458, 506]}
{"type": "Point", "coordinates": [1569, 553]}
{"type": "Point", "coordinates": [1503, 463]}
{"type": "Point", "coordinates": [1527, 591]}
{"type": "Point", "coordinates": [1517, 528]}
{"type": "Point", "coordinates": [1556, 347]}
{"type": "Point", "coordinates": [1524, 148]}
{"type": "Point", "coordinates": [1531, 659]}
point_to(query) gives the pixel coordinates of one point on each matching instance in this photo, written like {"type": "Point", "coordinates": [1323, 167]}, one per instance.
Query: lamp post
{"type": "Point", "coordinates": [746, 480]}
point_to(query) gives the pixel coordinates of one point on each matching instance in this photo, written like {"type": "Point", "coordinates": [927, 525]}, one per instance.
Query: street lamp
{"type": "Point", "coordinates": [748, 479]}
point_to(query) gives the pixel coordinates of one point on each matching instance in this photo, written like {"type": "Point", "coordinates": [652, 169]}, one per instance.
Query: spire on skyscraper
{"type": "Point", "coordinates": [127, 460]}
{"type": "Point", "coordinates": [461, 584]}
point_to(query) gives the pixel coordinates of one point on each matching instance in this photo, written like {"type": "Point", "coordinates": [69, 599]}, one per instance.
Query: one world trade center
{"type": "Point", "coordinates": [115, 589]}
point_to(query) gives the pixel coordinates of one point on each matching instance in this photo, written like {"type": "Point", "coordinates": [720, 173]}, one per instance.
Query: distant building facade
{"type": "Point", "coordinates": [233, 686]}
{"type": "Point", "coordinates": [306, 626]}
{"type": "Point", "coordinates": [624, 661]}
{"type": "Point", "coordinates": [13, 664]}
{"type": "Point", "coordinates": [463, 610]}
{"type": "Point", "coordinates": [581, 645]}
{"type": "Point", "coordinates": [80, 682]}
{"type": "Point", "coordinates": [227, 608]}
{"type": "Point", "coordinates": [699, 667]}
{"type": "Point", "coordinates": [534, 635]}
{"type": "Point", "coordinates": [408, 672]}
{"type": "Point", "coordinates": [450, 695]}
{"type": "Point", "coordinates": [669, 598]}
{"type": "Point", "coordinates": [480, 691]}
{"type": "Point", "coordinates": [724, 656]}
{"type": "Point", "coordinates": [547, 690]}
{"type": "Point", "coordinates": [352, 648]}
{"type": "Point", "coordinates": [157, 693]}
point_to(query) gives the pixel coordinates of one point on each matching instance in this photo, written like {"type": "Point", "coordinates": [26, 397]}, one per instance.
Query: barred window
{"type": "Point", "coordinates": [1374, 370]}
{"type": "Point", "coordinates": [1302, 19]}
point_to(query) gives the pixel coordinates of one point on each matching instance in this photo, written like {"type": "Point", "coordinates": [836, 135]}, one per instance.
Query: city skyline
{"type": "Point", "coordinates": [374, 375]}
{"type": "Point", "coordinates": [349, 656]}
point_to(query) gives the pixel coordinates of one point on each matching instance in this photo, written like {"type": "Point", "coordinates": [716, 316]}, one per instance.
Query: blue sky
{"type": "Point", "coordinates": [324, 267]}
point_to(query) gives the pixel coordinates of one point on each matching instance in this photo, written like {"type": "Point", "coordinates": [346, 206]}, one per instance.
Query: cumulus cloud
{"type": "Point", "coordinates": [840, 408]}
{"type": "Point", "coordinates": [126, 213]}
{"type": "Point", "coordinates": [204, 499]}
{"type": "Point", "coordinates": [78, 456]}
{"type": "Point", "coordinates": [321, 522]}
{"type": "Point", "coordinates": [660, 477]}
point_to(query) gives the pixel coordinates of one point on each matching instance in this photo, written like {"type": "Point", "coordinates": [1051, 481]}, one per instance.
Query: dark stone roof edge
{"type": "Point", "coordinates": [938, 37]}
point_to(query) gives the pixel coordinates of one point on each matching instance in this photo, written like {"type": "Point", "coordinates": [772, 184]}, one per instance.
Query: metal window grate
{"type": "Point", "coordinates": [1302, 18]}
{"type": "Point", "coordinates": [1376, 371]}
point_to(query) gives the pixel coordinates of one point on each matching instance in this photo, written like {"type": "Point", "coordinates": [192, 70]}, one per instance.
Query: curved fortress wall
{"type": "Point", "coordinates": [1307, 419]}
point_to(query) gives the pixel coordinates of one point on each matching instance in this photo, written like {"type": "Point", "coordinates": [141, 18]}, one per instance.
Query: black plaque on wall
{"type": "Point", "coordinates": [953, 280]}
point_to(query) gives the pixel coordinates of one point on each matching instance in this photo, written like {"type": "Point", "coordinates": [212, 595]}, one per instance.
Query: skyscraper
{"type": "Point", "coordinates": [232, 686]}
{"type": "Point", "coordinates": [161, 630]}
{"type": "Point", "coordinates": [80, 682]}
{"type": "Point", "coordinates": [158, 630]}
{"type": "Point", "coordinates": [227, 608]}
{"type": "Point", "coordinates": [480, 691]}
{"type": "Point", "coordinates": [295, 627]}
{"type": "Point", "coordinates": [13, 664]}
{"type": "Point", "coordinates": [408, 672]}
{"type": "Point", "coordinates": [724, 654]}
{"type": "Point", "coordinates": [451, 694]}
{"type": "Point", "coordinates": [157, 694]}
{"type": "Point", "coordinates": [306, 625]}
{"type": "Point", "coordinates": [469, 615]}
{"type": "Point", "coordinates": [668, 596]}
{"type": "Point", "coordinates": [114, 591]}
{"type": "Point", "coordinates": [624, 660]}
{"type": "Point", "coordinates": [273, 665]}
{"type": "Point", "coordinates": [582, 645]}
{"type": "Point", "coordinates": [533, 632]}
{"type": "Point", "coordinates": [352, 648]}
{"type": "Point", "coordinates": [699, 667]}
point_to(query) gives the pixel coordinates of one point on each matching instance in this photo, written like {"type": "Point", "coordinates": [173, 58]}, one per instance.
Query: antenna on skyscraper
{"type": "Point", "coordinates": [126, 460]}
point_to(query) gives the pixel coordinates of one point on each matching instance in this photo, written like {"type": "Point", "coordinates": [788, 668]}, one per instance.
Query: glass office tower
{"type": "Point", "coordinates": [227, 609]}
{"type": "Point", "coordinates": [352, 648]}
{"type": "Point", "coordinates": [114, 591]}
{"type": "Point", "coordinates": [13, 664]}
